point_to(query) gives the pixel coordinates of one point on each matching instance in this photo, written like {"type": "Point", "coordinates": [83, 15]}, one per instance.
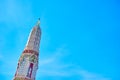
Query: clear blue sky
{"type": "Point", "coordinates": [80, 38]}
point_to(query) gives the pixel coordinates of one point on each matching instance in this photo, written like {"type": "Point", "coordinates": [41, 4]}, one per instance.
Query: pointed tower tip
{"type": "Point", "coordinates": [38, 22]}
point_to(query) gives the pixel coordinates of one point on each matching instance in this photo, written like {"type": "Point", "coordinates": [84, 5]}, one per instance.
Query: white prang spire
{"type": "Point", "coordinates": [34, 38]}
{"type": "Point", "coordinates": [28, 62]}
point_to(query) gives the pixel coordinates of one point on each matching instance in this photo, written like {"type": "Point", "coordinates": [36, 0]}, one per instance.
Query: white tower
{"type": "Point", "coordinates": [28, 62]}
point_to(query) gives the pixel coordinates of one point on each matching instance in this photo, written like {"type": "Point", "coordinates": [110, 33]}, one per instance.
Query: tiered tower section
{"type": "Point", "coordinates": [28, 62]}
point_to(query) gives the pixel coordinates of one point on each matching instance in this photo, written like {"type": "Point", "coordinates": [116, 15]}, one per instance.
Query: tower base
{"type": "Point", "coordinates": [21, 78]}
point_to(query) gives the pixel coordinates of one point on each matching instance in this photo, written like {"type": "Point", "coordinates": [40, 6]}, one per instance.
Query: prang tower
{"type": "Point", "coordinates": [28, 62]}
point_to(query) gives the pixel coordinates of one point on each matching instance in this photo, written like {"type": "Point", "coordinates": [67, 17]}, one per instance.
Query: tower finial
{"type": "Point", "coordinates": [38, 22]}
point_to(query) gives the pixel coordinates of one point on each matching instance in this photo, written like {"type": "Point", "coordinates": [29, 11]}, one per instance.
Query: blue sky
{"type": "Point", "coordinates": [80, 38]}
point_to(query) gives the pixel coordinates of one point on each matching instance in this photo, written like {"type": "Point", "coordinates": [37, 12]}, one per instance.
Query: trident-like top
{"type": "Point", "coordinates": [38, 22]}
